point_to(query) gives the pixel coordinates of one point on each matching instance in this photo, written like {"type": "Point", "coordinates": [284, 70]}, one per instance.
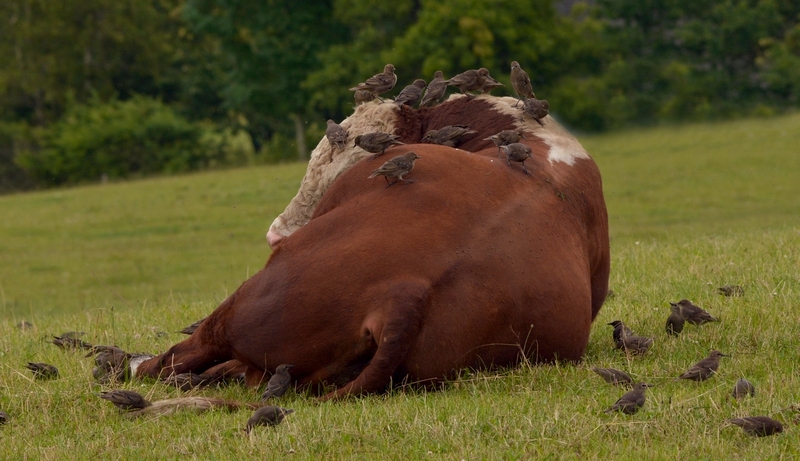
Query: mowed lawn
{"type": "Point", "coordinates": [691, 208]}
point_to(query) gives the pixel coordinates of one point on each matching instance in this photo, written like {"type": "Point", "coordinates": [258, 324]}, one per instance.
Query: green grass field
{"type": "Point", "coordinates": [691, 208]}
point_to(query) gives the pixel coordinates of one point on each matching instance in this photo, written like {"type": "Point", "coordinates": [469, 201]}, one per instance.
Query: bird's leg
{"type": "Point", "coordinates": [518, 100]}
{"type": "Point", "coordinates": [525, 169]}
{"type": "Point", "coordinates": [390, 183]}
{"type": "Point", "coordinates": [540, 122]}
{"type": "Point", "coordinates": [387, 181]}
{"type": "Point", "coordinates": [376, 156]}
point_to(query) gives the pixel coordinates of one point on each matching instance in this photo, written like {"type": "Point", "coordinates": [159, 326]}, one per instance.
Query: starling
{"type": "Point", "coordinates": [436, 89]}
{"type": "Point", "coordinates": [411, 94]}
{"type": "Point", "coordinates": [635, 344]}
{"type": "Point", "coordinates": [743, 388]}
{"type": "Point", "coordinates": [694, 314]}
{"type": "Point", "coordinates": [377, 142]}
{"type": "Point", "coordinates": [379, 83]}
{"type": "Point", "coordinates": [112, 363]}
{"type": "Point", "coordinates": [620, 330]}
{"type": "Point", "coordinates": [397, 167]}
{"type": "Point", "coordinates": [68, 342]}
{"type": "Point", "coordinates": [675, 321]}
{"type": "Point", "coordinates": [191, 328]}
{"type": "Point", "coordinates": [517, 152]}
{"type": "Point", "coordinates": [631, 401]}
{"type": "Point", "coordinates": [758, 426]}
{"type": "Point", "coordinates": [43, 370]}
{"type": "Point", "coordinates": [703, 369]}
{"type": "Point", "coordinates": [521, 83]}
{"type": "Point", "coordinates": [489, 85]}
{"type": "Point", "coordinates": [24, 325]}
{"type": "Point", "coordinates": [186, 381]}
{"type": "Point", "coordinates": [72, 334]}
{"type": "Point", "coordinates": [362, 96]}
{"type": "Point", "coordinates": [4, 418]}
{"type": "Point", "coordinates": [450, 135]}
{"type": "Point", "coordinates": [267, 416]}
{"type": "Point", "coordinates": [731, 291]}
{"type": "Point", "coordinates": [613, 376]}
{"type": "Point", "coordinates": [336, 135]}
{"type": "Point", "coordinates": [536, 109]}
{"type": "Point", "coordinates": [278, 383]}
{"type": "Point", "coordinates": [470, 80]}
{"type": "Point", "coordinates": [506, 137]}
{"type": "Point", "coordinates": [125, 400]}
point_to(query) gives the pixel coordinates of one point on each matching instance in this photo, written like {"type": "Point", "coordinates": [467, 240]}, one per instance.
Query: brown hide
{"type": "Point", "coordinates": [472, 265]}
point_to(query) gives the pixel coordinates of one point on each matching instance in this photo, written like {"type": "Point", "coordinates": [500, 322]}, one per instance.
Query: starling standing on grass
{"type": "Point", "coordinates": [620, 330]}
{"type": "Point", "coordinates": [397, 167]}
{"type": "Point", "coordinates": [436, 89]}
{"type": "Point", "coordinates": [278, 383]}
{"type": "Point", "coordinates": [191, 328]}
{"type": "Point", "coordinates": [4, 418]}
{"type": "Point", "coordinates": [450, 135]}
{"type": "Point", "coordinates": [675, 321]}
{"type": "Point", "coordinates": [377, 142]}
{"type": "Point", "coordinates": [743, 388]}
{"type": "Point", "coordinates": [731, 291]}
{"type": "Point", "coordinates": [125, 400]}
{"type": "Point", "coordinates": [379, 83]}
{"type": "Point", "coordinates": [24, 325]}
{"type": "Point", "coordinates": [635, 344]}
{"type": "Point", "coordinates": [615, 377]}
{"type": "Point", "coordinates": [267, 416]}
{"type": "Point", "coordinates": [186, 381]}
{"type": "Point", "coordinates": [43, 370]}
{"type": "Point", "coordinates": [337, 136]}
{"type": "Point", "coordinates": [470, 80]}
{"type": "Point", "coordinates": [362, 96]}
{"type": "Point", "coordinates": [411, 94]}
{"type": "Point", "coordinates": [694, 314]}
{"type": "Point", "coordinates": [631, 401]}
{"type": "Point", "coordinates": [703, 369]}
{"type": "Point", "coordinates": [537, 109]}
{"type": "Point", "coordinates": [758, 426]}
{"type": "Point", "coordinates": [521, 83]}
{"type": "Point", "coordinates": [517, 152]}
{"type": "Point", "coordinates": [68, 342]}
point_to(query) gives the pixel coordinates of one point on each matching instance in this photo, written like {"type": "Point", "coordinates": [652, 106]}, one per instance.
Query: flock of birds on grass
{"type": "Point", "coordinates": [681, 312]}
{"type": "Point", "coordinates": [429, 94]}
{"type": "Point", "coordinates": [112, 365]}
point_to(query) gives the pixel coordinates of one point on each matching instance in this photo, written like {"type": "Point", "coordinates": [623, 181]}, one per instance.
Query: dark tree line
{"type": "Point", "coordinates": [104, 88]}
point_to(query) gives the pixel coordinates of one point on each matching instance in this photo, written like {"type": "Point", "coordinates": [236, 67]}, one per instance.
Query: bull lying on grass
{"type": "Point", "coordinates": [474, 265]}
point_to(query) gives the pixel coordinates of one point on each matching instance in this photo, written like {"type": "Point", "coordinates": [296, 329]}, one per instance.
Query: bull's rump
{"type": "Point", "coordinates": [504, 256]}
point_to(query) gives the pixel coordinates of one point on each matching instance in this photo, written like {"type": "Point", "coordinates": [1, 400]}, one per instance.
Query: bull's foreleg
{"type": "Point", "coordinates": [393, 329]}
{"type": "Point", "coordinates": [189, 356]}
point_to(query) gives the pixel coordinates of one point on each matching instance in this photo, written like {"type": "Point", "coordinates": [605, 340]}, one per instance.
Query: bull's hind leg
{"type": "Point", "coordinates": [393, 329]}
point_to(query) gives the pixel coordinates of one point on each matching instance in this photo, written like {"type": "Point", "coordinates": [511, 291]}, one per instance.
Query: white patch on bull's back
{"type": "Point", "coordinates": [563, 146]}
{"type": "Point", "coordinates": [326, 165]}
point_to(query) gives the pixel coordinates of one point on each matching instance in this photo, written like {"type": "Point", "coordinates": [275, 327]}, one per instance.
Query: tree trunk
{"type": "Point", "coordinates": [300, 137]}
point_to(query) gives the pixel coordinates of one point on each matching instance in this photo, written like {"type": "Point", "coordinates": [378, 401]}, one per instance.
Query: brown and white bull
{"type": "Point", "coordinates": [474, 265]}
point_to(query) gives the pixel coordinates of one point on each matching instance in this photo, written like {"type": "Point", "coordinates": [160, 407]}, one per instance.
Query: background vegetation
{"type": "Point", "coordinates": [691, 208]}
{"type": "Point", "coordinates": [277, 70]}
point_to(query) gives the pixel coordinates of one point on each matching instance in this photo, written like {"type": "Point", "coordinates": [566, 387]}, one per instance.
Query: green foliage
{"type": "Point", "coordinates": [136, 137]}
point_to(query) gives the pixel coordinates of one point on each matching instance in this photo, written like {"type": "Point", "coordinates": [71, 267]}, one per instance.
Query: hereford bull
{"type": "Point", "coordinates": [474, 265]}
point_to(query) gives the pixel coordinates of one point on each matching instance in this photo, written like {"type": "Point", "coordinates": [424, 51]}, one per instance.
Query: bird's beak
{"type": "Point", "coordinates": [673, 304]}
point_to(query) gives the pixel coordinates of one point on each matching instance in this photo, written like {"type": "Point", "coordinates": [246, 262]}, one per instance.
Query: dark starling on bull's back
{"type": "Point", "coordinates": [377, 142]}
{"type": "Point", "coordinates": [125, 400]}
{"type": "Point", "coordinates": [635, 344]}
{"type": "Point", "coordinates": [517, 152]}
{"type": "Point", "coordinates": [694, 314]}
{"type": "Point", "coordinates": [267, 416]}
{"type": "Point", "coordinates": [758, 426]}
{"type": "Point", "coordinates": [614, 376]}
{"type": "Point", "coordinates": [471, 80]}
{"type": "Point", "coordinates": [732, 291]}
{"type": "Point", "coordinates": [42, 370]}
{"type": "Point", "coordinates": [505, 138]}
{"type": "Point", "coordinates": [620, 330]}
{"type": "Point", "coordinates": [705, 368]}
{"type": "Point", "coordinates": [537, 109]}
{"type": "Point", "coordinates": [631, 401]}
{"type": "Point", "coordinates": [362, 96]}
{"type": "Point", "coordinates": [451, 135]}
{"type": "Point", "coordinates": [489, 85]}
{"type": "Point", "coordinates": [743, 388]}
{"type": "Point", "coordinates": [397, 167]}
{"type": "Point", "coordinates": [675, 321]}
{"type": "Point", "coordinates": [379, 83]}
{"type": "Point", "coordinates": [436, 89]}
{"type": "Point", "coordinates": [278, 383]}
{"type": "Point", "coordinates": [521, 83]}
{"type": "Point", "coordinates": [411, 94]}
{"type": "Point", "coordinates": [337, 136]}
